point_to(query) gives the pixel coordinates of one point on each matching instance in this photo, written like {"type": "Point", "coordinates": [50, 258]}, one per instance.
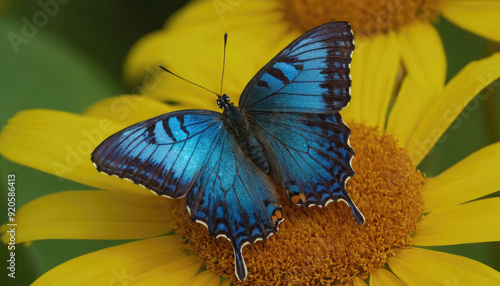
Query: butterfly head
{"type": "Point", "coordinates": [224, 102]}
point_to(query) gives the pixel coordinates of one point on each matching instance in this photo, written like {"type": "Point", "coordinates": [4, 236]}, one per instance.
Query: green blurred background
{"type": "Point", "coordinates": [76, 59]}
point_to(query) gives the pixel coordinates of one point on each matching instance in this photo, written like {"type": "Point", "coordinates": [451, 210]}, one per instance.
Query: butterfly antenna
{"type": "Point", "coordinates": [165, 69]}
{"type": "Point", "coordinates": [223, 62]}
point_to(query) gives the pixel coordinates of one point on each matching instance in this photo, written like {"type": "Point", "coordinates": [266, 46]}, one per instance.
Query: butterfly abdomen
{"type": "Point", "coordinates": [254, 151]}
{"type": "Point", "coordinates": [238, 126]}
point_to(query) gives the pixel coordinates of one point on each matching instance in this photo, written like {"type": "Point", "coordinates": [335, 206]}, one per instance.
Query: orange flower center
{"type": "Point", "coordinates": [367, 17]}
{"type": "Point", "coordinates": [325, 245]}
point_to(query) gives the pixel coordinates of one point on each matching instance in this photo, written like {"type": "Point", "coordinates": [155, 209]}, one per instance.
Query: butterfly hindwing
{"type": "Point", "coordinates": [310, 75]}
{"type": "Point", "coordinates": [190, 152]}
{"type": "Point", "coordinates": [234, 200]}
{"type": "Point", "coordinates": [314, 152]}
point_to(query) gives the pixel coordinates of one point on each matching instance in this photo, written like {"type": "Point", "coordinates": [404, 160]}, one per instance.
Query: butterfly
{"type": "Point", "coordinates": [287, 135]}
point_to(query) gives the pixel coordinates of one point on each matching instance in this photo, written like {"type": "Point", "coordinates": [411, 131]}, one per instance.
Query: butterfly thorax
{"type": "Point", "coordinates": [238, 126]}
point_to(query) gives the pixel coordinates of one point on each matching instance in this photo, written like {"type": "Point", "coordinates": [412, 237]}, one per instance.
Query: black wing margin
{"type": "Point", "coordinates": [310, 75]}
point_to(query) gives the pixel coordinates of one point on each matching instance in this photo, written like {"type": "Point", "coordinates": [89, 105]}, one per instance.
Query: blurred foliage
{"type": "Point", "coordinates": [76, 59]}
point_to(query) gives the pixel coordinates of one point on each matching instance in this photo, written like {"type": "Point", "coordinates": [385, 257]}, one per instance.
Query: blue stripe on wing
{"type": "Point", "coordinates": [163, 154]}
{"type": "Point", "coordinates": [233, 199]}
{"type": "Point", "coordinates": [310, 75]}
{"type": "Point", "coordinates": [314, 154]}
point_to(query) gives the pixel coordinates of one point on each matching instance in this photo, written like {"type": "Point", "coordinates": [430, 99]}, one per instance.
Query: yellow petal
{"type": "Point", "coordinates": [176, 270]}
{"type": "Point", "coordinates": [423, 55]}
{"type": "Point", "coordinates": [479, 17]}
{"type": "Point", "coordinates": [154, 261]}
{"type": "Point", "coordinates": [425, 62]}
{"type": "Point", "coordinates": [407, 110]}
{"type": "Point", "coordinates": [60, 143]}
{"type": "Point", "coordinates": [226, 282]}
{"type": "Point", "coordinates": [375, 64]}
{"type": "Point", "coordinates": [92, 215]}
{"type": "Point", "coordinates": [358, 282]}
{"type": "Point", "coordinates": [226, 13]}
{"type": "Point", "coordinates": [175, 45]}
{"type": "Point", "coordinates": [473, 177]}
{"type": "Point", "coordinates": [138, 65]}
{"type": "Point", "coordinates": [447, 106]}
{"type": "Point", "coordinates": [168, 49]}
{"type": "Point", "coordinates": [474, 222]}
{"type": "Point", "coordinates": [205, 278]}
{"type": "Point", "coordinates": [130, 109]}
{"type": "Point", "coordinates": [382, 277]}
{"type": "Point", "coordinates": [427, 267]}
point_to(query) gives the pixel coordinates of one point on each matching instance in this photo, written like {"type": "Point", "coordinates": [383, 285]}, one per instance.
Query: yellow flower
{"type": "Point", "coordinates": [314, 245]}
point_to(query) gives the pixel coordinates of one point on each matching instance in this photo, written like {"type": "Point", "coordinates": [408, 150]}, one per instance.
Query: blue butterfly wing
{"type": "Point", "coordinates": [163, 154]}
{"type": "Point", "coordinates": [310, 75]}
{"type": "Point", "coordinates": [234, 200]}
{"type": "Point", "coordinates": [190, 153]}
{"type": "Point", "coordinates": [296, 98]}
{"type": "Point", "coordinates": [314, 155]}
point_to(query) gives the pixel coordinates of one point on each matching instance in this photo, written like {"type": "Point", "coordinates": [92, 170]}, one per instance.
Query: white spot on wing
{"type": "Point", "coordinates": [224, 236]}
{"type": "Point", "coordinates": [347, 179]}
{"type": "Point", "coordinates": [342, 200]}
{"type": "Point", "coordinates": [328, 202]}
{"type": "Point", "coordinates": [202, 223]}
{"type": "Point", "coordinates": [269, 235]}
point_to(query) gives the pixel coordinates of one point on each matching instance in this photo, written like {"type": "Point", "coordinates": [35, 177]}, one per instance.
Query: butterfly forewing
{"type": "Point", "coordinates": [310, 75]}
{"type": "Point", "coordinates": [163, 154]}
